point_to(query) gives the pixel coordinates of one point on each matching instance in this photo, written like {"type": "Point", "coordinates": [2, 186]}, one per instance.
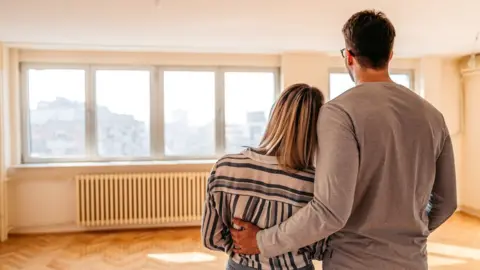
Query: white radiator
{"type": "Point", "coordinates": [140, 198]}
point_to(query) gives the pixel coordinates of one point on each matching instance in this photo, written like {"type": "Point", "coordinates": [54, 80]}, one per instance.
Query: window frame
{"type": "Point", "coordinates": [394, 71]}
{"type": "Point", "coordinates": [161, 127]}
{"type": "Point", "coordinates": [26, 156]}
{"type": "Point", "coordinates": [157, 112]}
{"type": "Point", "coordinates": [92, 125]}
{"type": "Point", "coordinates": [223, 70]}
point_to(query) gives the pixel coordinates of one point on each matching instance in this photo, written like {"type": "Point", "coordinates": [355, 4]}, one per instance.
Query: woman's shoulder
{"type": "Point", "coordinates": [232, 160]}
{"type": "Point", "coordinates": [238, 157]}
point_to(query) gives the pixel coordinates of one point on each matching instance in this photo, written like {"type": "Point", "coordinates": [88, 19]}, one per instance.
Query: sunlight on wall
{"type": "Point", "coordinates": [454, 251]}
{"type": "Point", "coordinates": [447, 255]}
{"type": "Point", "coordinates": [443, 261]}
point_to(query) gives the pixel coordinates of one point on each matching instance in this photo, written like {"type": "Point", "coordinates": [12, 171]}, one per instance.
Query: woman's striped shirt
{"type": "Point", "coordinates": [253, 187]}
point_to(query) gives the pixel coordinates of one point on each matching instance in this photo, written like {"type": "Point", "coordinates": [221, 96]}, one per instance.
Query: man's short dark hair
{"type": "Point", "coordinates": [369, 36]}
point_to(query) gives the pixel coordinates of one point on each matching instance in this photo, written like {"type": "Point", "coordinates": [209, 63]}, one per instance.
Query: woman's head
{"type": "Point", "coordinates": [291, 133]}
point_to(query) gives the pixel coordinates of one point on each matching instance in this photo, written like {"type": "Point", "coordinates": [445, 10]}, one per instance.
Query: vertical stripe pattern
{"type": "Point", "coordinates": [254, 188]}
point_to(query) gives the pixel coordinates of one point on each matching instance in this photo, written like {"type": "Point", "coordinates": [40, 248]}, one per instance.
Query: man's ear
{"type": "Point", "coordinates": [391, 55]}
{"type": "Point", "coordinates": [349, 58]}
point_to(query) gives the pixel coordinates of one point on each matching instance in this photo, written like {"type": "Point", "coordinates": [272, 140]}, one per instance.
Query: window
{"type": "Point", "coordinates": [123, 112]}
{"type": "Point", "coordinates": [56, 113]}
{"type": "Point", "coordinates": [403, 79]}
{"type": "Point", "coordinates": [95, 113]}
{"type": "Point", "coordinates": [341, 82]}
{"type": "Point", "coordinates": [248, 99]}
{"type": "Point", "coordinates": [189, 113]}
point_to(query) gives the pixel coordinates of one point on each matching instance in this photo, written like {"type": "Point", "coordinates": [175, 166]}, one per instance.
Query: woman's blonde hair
{"type": "Point", "coordinates": [291, 133]}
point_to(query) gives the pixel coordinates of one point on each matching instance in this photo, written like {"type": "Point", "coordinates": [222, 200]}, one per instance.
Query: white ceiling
{"type": "Point", "coordinates": [423, 26]}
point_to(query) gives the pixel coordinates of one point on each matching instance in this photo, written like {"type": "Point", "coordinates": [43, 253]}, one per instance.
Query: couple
{"type": "Point", "coordinates": [382, 154]}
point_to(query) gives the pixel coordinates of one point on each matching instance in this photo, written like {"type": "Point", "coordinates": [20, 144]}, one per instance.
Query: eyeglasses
{"type": "Point", "coordinates": [342, 52]}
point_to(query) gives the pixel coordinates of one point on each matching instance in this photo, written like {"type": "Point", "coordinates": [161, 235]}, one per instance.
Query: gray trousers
{"type": "Point", "coordinates": [231, 265]}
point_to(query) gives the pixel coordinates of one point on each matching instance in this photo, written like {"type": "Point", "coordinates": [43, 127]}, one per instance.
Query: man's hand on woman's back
{"type": "Point", "coordinates": [245, 238]}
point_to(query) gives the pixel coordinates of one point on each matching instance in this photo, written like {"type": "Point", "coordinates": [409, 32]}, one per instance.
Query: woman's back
{"type": "Point", "coordinates": [253, 187]}
{"type": "Point", "coordinates": [267, 185]}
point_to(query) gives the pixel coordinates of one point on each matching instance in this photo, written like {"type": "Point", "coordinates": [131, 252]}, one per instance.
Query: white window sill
{"type": "Point", "coordinates": [65, 171]}
{"type": "Point", "coordinates": [111, 163]}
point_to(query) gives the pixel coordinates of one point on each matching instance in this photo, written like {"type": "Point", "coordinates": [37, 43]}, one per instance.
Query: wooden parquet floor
{"type": "Point", "coordinates": [455, 246]}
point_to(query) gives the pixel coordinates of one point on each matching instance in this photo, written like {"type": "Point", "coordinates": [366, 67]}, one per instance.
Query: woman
{"type": "Point", "coordinates": [268, 184]}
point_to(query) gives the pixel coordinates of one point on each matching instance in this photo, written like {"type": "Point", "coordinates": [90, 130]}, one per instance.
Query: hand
{"type": "Point", "coordinates": [245, 239]}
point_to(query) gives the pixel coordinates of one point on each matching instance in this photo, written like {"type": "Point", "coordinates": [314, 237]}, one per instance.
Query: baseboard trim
{"type": "Point", "coordinates": [470, 211]}
{"type": "Point", "coordinates": [73, 228]}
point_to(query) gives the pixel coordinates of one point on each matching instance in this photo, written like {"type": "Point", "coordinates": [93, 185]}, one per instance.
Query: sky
{"type": "Point", "coordinates": [124, 92]}
{"type": "Point", "coordinates": [48, 84]}
{"type": "Point", "coordinates": [248, 92]}
{"type": "Point", "coordinates": [192, 91]}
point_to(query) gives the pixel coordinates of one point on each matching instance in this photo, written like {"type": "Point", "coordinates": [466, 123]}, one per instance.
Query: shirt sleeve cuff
{"type": "Point", "coordinates": [260, 243]}
{"type": "Point", "coordinates": [263, 244]}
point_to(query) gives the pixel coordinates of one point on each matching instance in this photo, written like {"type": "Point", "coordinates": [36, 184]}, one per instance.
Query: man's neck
{"type": "Point", "coordinates": [371, 75]}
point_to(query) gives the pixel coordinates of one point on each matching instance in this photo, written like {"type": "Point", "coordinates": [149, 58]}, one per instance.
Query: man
{"type": "Point", "coordinates": [383, 151]}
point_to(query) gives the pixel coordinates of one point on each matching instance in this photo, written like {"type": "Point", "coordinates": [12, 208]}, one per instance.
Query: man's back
{"type": "Point", "coordinates": [400, 136]}
{"type": "Point", "coordinates": [382, 153]}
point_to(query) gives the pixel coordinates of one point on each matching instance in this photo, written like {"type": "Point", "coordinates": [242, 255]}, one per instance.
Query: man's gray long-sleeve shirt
{"type": "Point", "coordinates": [383, 150]}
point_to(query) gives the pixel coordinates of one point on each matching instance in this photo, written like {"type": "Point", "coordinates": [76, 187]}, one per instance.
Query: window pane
{"type": "Point", "coordinates": [123, 112]}
{"type": "Point", "coordinates": [189, 113]}
{"type": "Point", "coordinates": [56, 112]}
{"type": "Point", "coordinates": [249, 96]}
{"type": "Point", "coordinates": [341, 82]}
{"type": "Point", "coordinates": [402, 79]}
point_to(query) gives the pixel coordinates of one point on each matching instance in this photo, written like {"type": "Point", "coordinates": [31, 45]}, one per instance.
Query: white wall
{"type": "Point", "coordinates": [42, 198]}
{"type": "Point", "coordinates": [305, 67]}
{"type": "Point", "coordinates": [3, 150]}
{"type": "Point", "coordinates": [440, 84]}
{"type": "Point", "coordinates": [471, 136]}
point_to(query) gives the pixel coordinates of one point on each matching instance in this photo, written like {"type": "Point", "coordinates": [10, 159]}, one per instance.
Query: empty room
{"type": "Point", "coordinates": [219, 134]}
